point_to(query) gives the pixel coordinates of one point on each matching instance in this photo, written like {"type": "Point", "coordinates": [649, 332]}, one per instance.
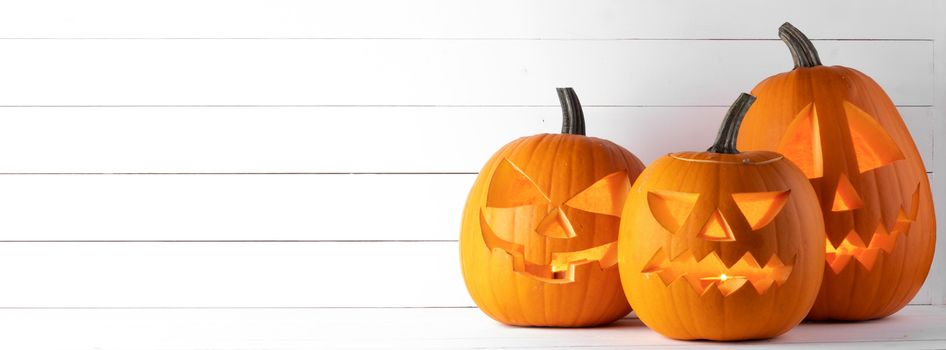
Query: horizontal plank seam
{"type": "Point", "coordinates": [251, 173]}
{"type": "Point", "coordinates": [688, 346]}
{"type": "Point", "coordinates": [471, 39]}
{"type": "Point", "coordinates": [385, 106]}
{"type": "Point", "coordinates": [222, 307]}
{"type": "Point", "coordinates": [901, 340]}
{"type": "Point", "coordinates": [255, 173]}
{"type": "Point", "coordinates": [231, 241]}
{"type": "Point", "coordinates": [271, 307]}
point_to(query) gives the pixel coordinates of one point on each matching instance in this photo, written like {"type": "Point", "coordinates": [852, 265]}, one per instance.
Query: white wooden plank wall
{"type": "Point", "coordinates": [212, 153]}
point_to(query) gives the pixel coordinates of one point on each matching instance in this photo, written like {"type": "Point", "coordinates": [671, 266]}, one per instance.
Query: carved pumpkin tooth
{"type": "Point", "coordinates": [701, 273]}
{"type": "Point", "coordinates": [752, 262]}
{"type": "Point", "coordinates": [867, 257]}
{"type": "Point", "coordinates": [712, 262]}
{"type": "Point", "coordinates": [762, 285]}
{"type": "Point", "coordinates": [778, 270]}
{"type": "Point", "coordinates": [883, 240]}
{"type": "Point", "coordinates": [700, 285]}
{"type": "Point", "coordinates": [838, 262]}
{"type": "Point", "coordinates": [854, 248]}
{"type": "Point", "coordinates": [905, 218]}
{"type": "Point", "coordinates": [732, 259]}
{"type": "Point", "coordinates": [903, 222]}
{"type": "Point", "coordinates": [730, 286]}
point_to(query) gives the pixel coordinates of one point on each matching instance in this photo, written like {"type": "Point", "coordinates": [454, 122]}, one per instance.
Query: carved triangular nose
{"type": "Point", "coordinates": [556, 225]}
{"type": "Point", "coordinates": [845, 196]}
{"type": "Point", "coordinates": [716, 228]}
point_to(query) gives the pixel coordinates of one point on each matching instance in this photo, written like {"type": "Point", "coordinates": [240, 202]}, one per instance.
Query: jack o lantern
{"type": "Point", "coordinates": [722, 244]}
{"type": "Point", "coordinates": [539, 232]}
{"type": "Point", "coordinates": [843, 131]}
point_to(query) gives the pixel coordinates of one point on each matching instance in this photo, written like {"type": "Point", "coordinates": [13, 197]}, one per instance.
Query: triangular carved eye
{"type": "Point", "coordinates": [670, 208]}
{"type": "Point", "coordinates": [510, 187]}
{"type": "Point", "coordinates": [606, 196]}
{"type": "Point", "coordinates": [873, 147]}
{"type": "Point", "coordinates": [801, 143]}
{"type": "Point", "coordinates": [760, 208]}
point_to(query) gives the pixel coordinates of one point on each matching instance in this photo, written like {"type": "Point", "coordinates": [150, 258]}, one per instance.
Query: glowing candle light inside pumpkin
{"type": "Point", "coordinates": [723, 277]}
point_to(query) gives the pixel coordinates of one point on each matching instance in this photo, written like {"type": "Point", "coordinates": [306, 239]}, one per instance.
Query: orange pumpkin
{"type": "Point", "coordinates": [843, 131]}
{"type": "Point", "coordinates": [540, 227]}
{"type": "Point", "coordinates": [722, 244]}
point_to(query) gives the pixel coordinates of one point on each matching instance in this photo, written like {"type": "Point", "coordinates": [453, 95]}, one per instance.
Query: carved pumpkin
{"type": "Point", "coordinates": [722, 244]}
{"type": "Point", "coordinates": [843, 131]}
{"type": "Point", "coordinates": [540, 227]}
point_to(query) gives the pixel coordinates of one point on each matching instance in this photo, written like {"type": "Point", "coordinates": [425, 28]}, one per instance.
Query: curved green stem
{"type": "Point", "coordinates": [729, 131]}
{"type": "Point", "coordinates": [573, 119]}
{"type": "Point", "coordinates": [803, 51]}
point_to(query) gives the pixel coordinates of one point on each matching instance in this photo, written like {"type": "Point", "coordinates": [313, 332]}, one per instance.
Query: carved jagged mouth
{"type": "Point", "coordinates": [561, 270]}
{"type": "Point", "coordinates": [711, 273]}
{"type": "Point", "coordinates": [883, 241]}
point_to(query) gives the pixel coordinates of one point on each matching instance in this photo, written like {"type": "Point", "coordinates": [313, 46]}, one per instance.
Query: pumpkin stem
{"type": "Point", "coordinates": [803, 51]}
{"type": "Point", "coordinates": [729, 131]}
{"type": "Point", "coordinates": [573, 119]}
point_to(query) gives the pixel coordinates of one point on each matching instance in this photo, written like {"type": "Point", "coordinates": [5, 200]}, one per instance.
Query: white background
{"type": "Point", "coordinates": [219, 153]}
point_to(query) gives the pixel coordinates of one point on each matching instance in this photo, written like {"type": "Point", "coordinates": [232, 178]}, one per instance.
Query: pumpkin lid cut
{"type": "Point", "coordinates": [723, 150]}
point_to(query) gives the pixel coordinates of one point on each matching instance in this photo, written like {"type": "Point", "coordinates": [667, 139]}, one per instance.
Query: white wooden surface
{"type": "Point", "coordinates": [384, 72]}
{"type": "Point", "coordinates": [493, 19]}
{"type": "Point", "coordinates": [234, 274]}
{"type": "Point", "coordinates": [232, 207]}
{"type": "Point", "coordinates": [335, 139]}
{"type": "Point", "coordinates": [936, 283]}
{"type": "Point", "coordinates": [916, 327]}
{"type": "Point", "coordinates": [258, 207]}
{"type": "Point", "coordinates": [214, 153]}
